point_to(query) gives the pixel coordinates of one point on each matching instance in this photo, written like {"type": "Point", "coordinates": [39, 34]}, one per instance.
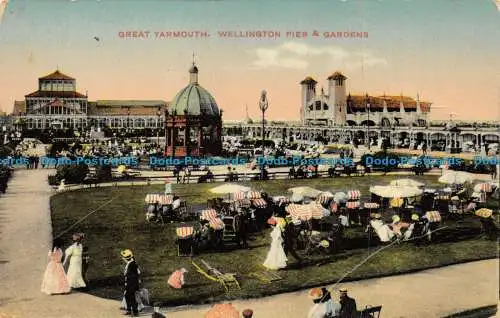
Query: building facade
{"type": "Point", "coordinates": [338, 108]}
{"type": "Point", "coordinates": [58, 105]}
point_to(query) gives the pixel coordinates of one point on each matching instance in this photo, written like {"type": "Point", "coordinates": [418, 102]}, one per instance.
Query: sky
{"type": "Point", "coordinates": [442, 50]}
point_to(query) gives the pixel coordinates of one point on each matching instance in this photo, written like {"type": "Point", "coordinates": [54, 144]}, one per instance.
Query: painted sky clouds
{"type": "Point", "coordinates": [446, 51]}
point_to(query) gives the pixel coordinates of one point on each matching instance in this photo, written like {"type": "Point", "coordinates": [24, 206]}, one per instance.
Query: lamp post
{"type": "Point", "coordinates": [263, 105]}
{"type": "Point", "coordinates": [368, 121]}
{"type": "Point", "coordinates": [158, 127]}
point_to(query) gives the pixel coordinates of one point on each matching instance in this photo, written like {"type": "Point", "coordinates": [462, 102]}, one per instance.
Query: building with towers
{"type": "Point", "coordinates": [338, 108]}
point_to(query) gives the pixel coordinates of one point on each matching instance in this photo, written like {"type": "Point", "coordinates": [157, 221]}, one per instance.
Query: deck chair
{"type": "Point", "coordinates": [371, 312]}
{"type": "Point", "coordinates": [227, 280]}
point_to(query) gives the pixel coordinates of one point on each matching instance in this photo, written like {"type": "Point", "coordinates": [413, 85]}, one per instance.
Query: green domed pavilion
{"type": "Point", "coordinates": [193, 121]}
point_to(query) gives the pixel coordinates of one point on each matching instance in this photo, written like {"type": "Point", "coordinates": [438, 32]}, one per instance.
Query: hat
{"type": "Point", "coordinates": [324, 243]}
{"type": "Point", "coordinates": [315, 293]}
{"type": "Point", "coordinates": [415, 217]}
{"type": "Point", "coordinates": [343, 290]}
{"type": "Point", "coordinates": [396, 218]}
{"type": "Point", "coordinates": [127, 254]}
{"type": "Point", "coordinates": [247, 313]}
{"type": "Point", "coordinates": [378, 216]}
{"type": "Point", "coordinates": [281, 222]}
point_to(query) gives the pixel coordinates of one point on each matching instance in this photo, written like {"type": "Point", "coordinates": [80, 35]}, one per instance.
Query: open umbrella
{"type": "Point", "coordinates": [340, 197]}
{"type": "Point", "coordinates": [456, 177]}
{"type": "Point", "coordinates": [223, 311]}
{"type": "Point", "coordinates": [484, 213]}
{"type": "Point", "coordinates": [395, 191]}
{"type": "Point", "coordinates": [305, 191]}
{"type": "Point", "coordinates": [406, 182]}
{"type": "Point", "coordinates": [229, 188]}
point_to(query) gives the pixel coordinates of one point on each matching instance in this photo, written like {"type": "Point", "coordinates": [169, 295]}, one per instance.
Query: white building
{"type": "Point", "coordinates": [337, 108]}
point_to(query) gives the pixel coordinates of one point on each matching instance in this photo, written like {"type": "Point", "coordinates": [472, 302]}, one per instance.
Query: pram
{"type": "Point", "coordinates": [185, 241]}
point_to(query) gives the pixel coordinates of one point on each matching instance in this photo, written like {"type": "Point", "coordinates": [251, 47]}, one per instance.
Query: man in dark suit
{"type": "Point", "coordinates": [290, 241]}
{"type": "Point", "coordinates": [347, 305]}
{"type": "Point", "coordinates": [131, 274]}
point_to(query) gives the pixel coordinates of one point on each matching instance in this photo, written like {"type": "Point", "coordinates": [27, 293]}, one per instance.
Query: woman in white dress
{"type": "Point", "coordinates": [276, 257]}
{"type": "Point", "coordinates": [73, 254]}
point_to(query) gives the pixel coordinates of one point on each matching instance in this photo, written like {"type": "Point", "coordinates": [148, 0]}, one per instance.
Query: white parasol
{"type": "Point", "coordinates": [229, 188]}
{"type": "Point", "coordinates": [305, 191]}
{"type": "Point", "coordinates": [340, 197]}
{"type": "Point", "coordinates": [395, 191]}
{"type": "Point", "coordinates": [456, 177]}
{"type": "Point", "coordinates": [406, 182]}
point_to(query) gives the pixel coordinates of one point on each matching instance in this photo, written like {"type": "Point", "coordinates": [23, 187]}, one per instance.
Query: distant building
{"type": "Point", "coordinates": [58, 105]}
{"type": "Point", "coordinates": [338, 108]}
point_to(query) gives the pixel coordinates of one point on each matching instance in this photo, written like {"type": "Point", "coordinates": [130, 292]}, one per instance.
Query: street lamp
{"type": "Point", "coordinates": [368, 121]}
{"type": "Point", "coordinates": [158, 127]}
{"type": "Point", "coordinates": [263, 105]}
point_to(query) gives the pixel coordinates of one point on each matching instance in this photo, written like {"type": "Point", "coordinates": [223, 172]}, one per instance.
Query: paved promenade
{"type": "Point", "coordinates": [25, 238]}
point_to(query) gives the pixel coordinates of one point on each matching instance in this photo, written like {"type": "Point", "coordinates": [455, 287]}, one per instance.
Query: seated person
{"type": "Point", "coordinates": [176, 203]}
{"type": "Point", "coordinates": [210, 175]}
{"type": "Point", "coordinates": [323, 306]}
{"type": "Point", "coordinates": [203, 234]}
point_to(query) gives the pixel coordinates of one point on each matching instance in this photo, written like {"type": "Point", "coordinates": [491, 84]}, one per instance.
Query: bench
{"type": "Point", "coordinates": [370, 312]}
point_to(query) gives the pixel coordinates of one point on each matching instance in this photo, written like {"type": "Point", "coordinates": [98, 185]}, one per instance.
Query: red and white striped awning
{"type": "Point", "coordinates": [354, 195]}
{"type": "Point", "coordinates": [305, 211]}
{"type": "Point", "coordinates": [259, 203]}
{"type": "Point", "coordinates": [253, 195]}
{"type": "Point", "coordinates": [334, 207]}
{"type": "Point", "coordinates": [160, 198]}
{"type": "Point", "coordinates": [483, 187]}
{"type": "Point", "coordinates": [281, 200]}
{"type": "Point", "coordinates": [185, 231]}
{"type": "Point", "coordinates": [352, 204]}
{"type": "Point", "coordinates": [433, 216]}
{"type": "Point", "coordinates": [216, 223]}
{"type": "Point", "coordinates": [239, 196]}
{"type": "Point", "coordinates": [208, 214]}
{"type": "Point", "coordinates": [371, 205]}
{"type": "Point", "coordinates": [324, 197]}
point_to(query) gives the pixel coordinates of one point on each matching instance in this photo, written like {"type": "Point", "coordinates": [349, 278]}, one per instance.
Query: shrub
{"type": "Point", "coordinates": [52, 179]}
{"type": "Point", "coordinates": [103, 173]}
{"type": "Point", "coordinates": [72, 173]}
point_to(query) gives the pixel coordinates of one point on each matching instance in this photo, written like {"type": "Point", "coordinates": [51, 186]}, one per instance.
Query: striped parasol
{"type": "Point", "coordinates": [324, 197]}
{"type": "Point", "coordinates": [483, 187]}
{"type": "Point", "coordinates": [259, 203]}
{"type": "Point", "coordinates": [163, 199]}
{"type": "Point", "coordinates": [208, 214]}
{"type": "Point", "coordinates": [185, 231]}
{"type": "Point", "coordinates": [216, 224]}
{"type": "Point", "coordinates": [371, 205]}
{"type": "Point", "coordinates": [352, 204]}
{"type": "Point", "coordinates": [305, 211]}
{"type": "Point", "coordinates": [354, 194]}
{"type": "Point", "coordinates": [253, 195]}
{"type": "Point", "coordinates": [433, 216]}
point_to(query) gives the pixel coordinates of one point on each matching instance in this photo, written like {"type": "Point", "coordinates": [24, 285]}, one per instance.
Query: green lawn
{"type": "Point", "coordinates": [120, 224]}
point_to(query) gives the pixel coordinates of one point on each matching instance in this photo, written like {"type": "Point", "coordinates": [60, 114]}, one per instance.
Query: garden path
{"type": "Point", "coordinates": [25, 238]}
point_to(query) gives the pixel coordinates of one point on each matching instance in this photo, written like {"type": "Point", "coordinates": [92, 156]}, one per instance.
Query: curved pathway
{"type": "Point", "coordinates": [25, 238]}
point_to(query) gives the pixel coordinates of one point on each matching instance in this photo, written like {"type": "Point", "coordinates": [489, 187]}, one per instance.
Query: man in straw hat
{"type": "Point", "coordinates": [347, 305]}
{"type": "Point", "coordinates": [131, 274]}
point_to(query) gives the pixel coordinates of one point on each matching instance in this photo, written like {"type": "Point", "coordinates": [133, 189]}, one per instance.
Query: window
{"type": "Point", "coordinates": [318, 105]}
{"type": "Point", "coordinates": [325, 106]}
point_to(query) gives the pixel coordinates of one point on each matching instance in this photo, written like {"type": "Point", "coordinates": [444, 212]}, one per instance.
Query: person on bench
{"type": "Point", "coordinates": [347, 305]}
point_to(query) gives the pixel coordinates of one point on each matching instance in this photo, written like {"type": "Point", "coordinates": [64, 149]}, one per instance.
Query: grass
{"type": "Point", "coordinates": [120, 224]}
